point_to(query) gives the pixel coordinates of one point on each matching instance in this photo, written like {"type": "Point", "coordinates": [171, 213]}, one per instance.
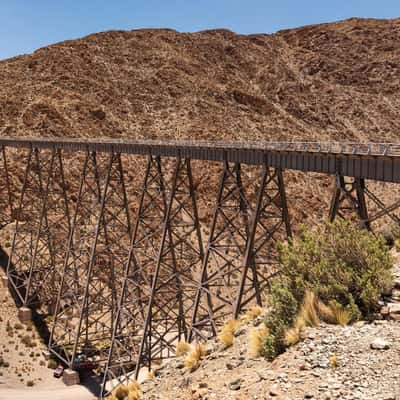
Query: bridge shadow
{"type": "Point", "coordinates": [38, 319]}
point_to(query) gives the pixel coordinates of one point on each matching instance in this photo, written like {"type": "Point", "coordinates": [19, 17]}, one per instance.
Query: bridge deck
{"type": "Point", "coordinates": [377, 161]}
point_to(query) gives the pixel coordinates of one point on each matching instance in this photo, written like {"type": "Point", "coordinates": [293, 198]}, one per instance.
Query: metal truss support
{"type": "Point", "coordinates": [349, 198]}
{"type": "Point", "coordinates": [222, 264]}
{"type": "Point", "coordinates": [29, 221]}
{"type": "Point", "coordinates": [269, 222]}
{"type": "Point", "coordinates": [86, 303]}
{"type": "Point", "coordinates": [137, 279]}
{"type": "Point", "coordinates": [177, 275]}
{"type": "Point", "coordinates": [53, 231]}
{"type": "Point", "coordinates": [5, 188]}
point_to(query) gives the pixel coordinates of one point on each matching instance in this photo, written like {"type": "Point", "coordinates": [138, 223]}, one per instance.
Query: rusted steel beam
{"type": "Point", "coordinates": [53, 231]}
{"type": "Point", "coordinates": [349, 199]}
{"type": "Point", "coordinates": [137, 279]}
{"type": "Point", "coordinates": [269, 223]}
{"type": "Point", "coordinates": [29, 247]}
{"type": "Point", "coordinates": [176, 278]}
{"type": "Point", "coordinates": [220, 275]}
{"type": "Point", "coordinates": [94, 264]}
{"type": "Point", "coordinates": [377, 161]}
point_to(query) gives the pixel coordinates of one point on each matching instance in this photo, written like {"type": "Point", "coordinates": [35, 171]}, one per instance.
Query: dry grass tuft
{"type": "Point", "coordinates": [325, 313]}
{"type": "Point", "coordinates": [308, 311]}
{"type": "Point", "coordinates": [333, 362]}
{"type": "Point", "coordinates": [134, 385]}
{"type": "Point", "coordinates": [182, 348]}
{"type": "Point", "coordinates": [342, 316]}
{"type": "Point", "coordinates": [252, 314]}
{"type": "Point", "coordinates": [150, 375]}
{"type": "Point", "coordinates": [227, 333]}
{"type": "Point", "coordinates": [121, 392]}
{"type": "Point", "coordinates": [292, 336]}
{"type": "Point", "coordinates": [192, 360]}
{"type": "Point", "coordinates": [226, 338]}
{"type": "Point", "coordinates": [134, 395]}
{"type": "Point", "coordinates": [256, 336]}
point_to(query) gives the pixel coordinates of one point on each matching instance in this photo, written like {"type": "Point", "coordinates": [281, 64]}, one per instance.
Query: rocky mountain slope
{"type": "Point", "coordinates": [336, 81]}
{"type": "Point", "coordinates": [366, 367]}
{"type": "Point", "coordinates": [356, 362]}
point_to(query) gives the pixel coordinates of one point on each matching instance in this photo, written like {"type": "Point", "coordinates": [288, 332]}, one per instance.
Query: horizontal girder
{"type": "Point", "coordinates": [377, 161]}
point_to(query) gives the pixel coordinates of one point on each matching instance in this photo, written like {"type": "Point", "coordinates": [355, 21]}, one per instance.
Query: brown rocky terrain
{"type": "Point", "coordinates": [356, 362]}
{"type": "Point", "coordinates": [336, 81]}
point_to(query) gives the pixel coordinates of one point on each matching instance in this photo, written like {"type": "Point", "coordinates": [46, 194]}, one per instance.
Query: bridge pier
{"type": "Point", "coordinates": [238, 258]}
{"type": "Point", "coordinates": [24, 314]}
{"type": "Point", "coordinates": [87, 297]}
{"type": "Point", "coordinates": [70, 377]}
{"type": "Point", "coordinates": [350, 200]}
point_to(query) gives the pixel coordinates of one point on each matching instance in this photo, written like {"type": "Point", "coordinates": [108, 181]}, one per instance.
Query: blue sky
{"type": "Point", "coordinates": [26, 25]}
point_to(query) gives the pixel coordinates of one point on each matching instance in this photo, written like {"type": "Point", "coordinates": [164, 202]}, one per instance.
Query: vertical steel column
{"type": "Point", "coordinates": [101, 270]}
{"type": "Point", "coordinates": [29, 218]}
{"type": "Point", "coordinates": [349, 198]}
{"type": "Point", "coordinates": [221, 269]}
{"type": "Point", "coordinates": [176, 279]}
{"type": "Point", "coordinates": [137, 278]}
{"type": "Point", "coordinates": [5, 188]}
{"type": "Point", "coordinates": [269, 216]}
{"type": "Point", "coordinates": [71, 290]}
{"type": "Point", "coordinates": [52, 234]}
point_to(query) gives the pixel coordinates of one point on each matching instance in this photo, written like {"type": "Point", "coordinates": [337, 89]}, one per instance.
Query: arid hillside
{"type": "Point", "coordinates": [336, 81]}
{"type": "Point", "coordinates": [333, 81]}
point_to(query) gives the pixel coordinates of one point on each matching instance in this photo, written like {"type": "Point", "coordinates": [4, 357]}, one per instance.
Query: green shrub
{"type": "Point", "coordinates": [341, 264]}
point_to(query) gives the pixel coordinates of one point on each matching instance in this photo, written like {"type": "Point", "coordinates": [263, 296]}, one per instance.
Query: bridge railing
{"type": "Point", "coordinates": [144, 146]}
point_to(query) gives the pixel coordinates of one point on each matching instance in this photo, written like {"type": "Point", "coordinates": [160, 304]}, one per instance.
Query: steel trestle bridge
{"type": "Point", "coordinates": [114, 239]}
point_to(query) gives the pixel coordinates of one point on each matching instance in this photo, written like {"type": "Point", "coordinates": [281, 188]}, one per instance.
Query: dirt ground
{"type": "Point", "coordinates": [23, 370]}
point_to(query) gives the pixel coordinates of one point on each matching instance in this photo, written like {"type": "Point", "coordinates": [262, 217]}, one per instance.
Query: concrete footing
{"type": "Point", "coordinates": [4, 279]}
{"type": "Point", "coordinates": [70, 377]}
{"type": "Point", "coordinates": [24, 314]}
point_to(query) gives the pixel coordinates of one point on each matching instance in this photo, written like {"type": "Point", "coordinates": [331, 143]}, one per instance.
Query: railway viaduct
{"type": "Point", "coordinates": [105, 235]}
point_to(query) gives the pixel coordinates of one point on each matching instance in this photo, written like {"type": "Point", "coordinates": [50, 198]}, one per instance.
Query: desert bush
{"type": "Point", "coordinates": [30, 383]}
{"type": "Point", "coordinates": [226, 336]}
{"type": "Point", "coordinates": [182, 348]}
{"type": "Point", "coordinates": [121, 392]}
{"type": "Point", "coordinates": [336, 272]}
{"type": "Point", "coordinates": [255, 340]}
{"type": "Point", "coordinates": [252, 314]}
{"type": "Point", "coordinates": [192, 360]}
{"type": "Point", "coordinates": [27, 341]}
{"type": "Point", "coordinates": [52, 364]}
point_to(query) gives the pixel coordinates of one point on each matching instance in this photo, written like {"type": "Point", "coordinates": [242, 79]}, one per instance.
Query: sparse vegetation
{"type": "Point", "coordinates": [252, 314]}
{"type": "Point", "coordinates": [192, 360]}
{"type": "Point", "coordinates": [129, 392]}
{"type": "Point", "coordinates": [227, 333]}
{"type": "Point", "coordinates": [336, 273]}
{"type": "Point", "coordinates": [182, 348]}
{"type": "Point", "coordinates": [333, 362]}
{"type": "Point", "coordinates": [52, 364]}
{"type": "Point", "coordinates": [30, 383]}
{"type": "Point", "coordinates": [256, 339]}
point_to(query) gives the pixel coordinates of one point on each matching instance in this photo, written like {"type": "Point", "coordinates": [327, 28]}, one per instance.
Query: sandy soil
{"type": "Point", "coordinates": [23, 365]}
